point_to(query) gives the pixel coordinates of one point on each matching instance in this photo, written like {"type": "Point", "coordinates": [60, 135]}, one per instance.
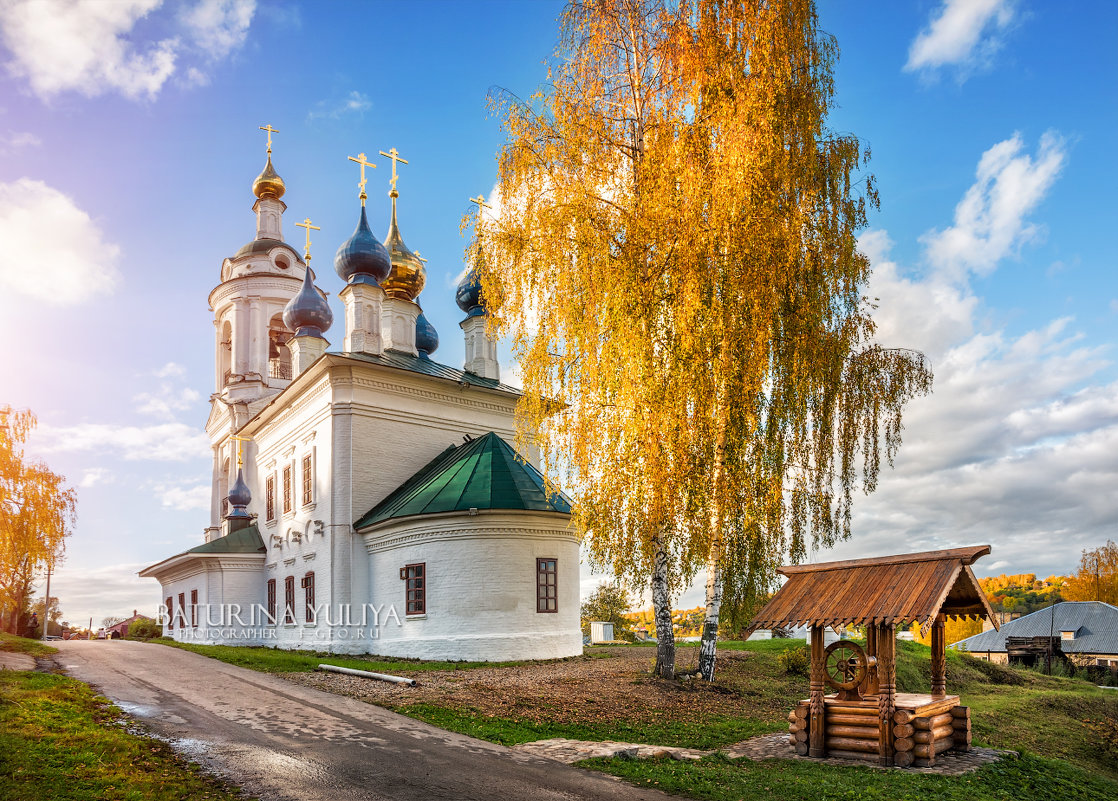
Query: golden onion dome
{"type": "Point", "coordinates": [408, 275]}
{"type": "Point", "coordinates": [268, 183]}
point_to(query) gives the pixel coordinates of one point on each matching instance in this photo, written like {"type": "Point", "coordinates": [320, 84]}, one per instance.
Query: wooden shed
{"type": "Point", "coordinates": [867, 718]}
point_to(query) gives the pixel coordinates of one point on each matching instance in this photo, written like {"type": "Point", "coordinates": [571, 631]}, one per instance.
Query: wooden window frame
{"type": "Point", "coordinates": [547, 589]}
{"type": "Point", "coordinates": [308, 597]}
{"type": "Point", "coordinates": [270, 497]}
{"type": "Point", "coordinates": [170, 612]}
{"type": "Point", "coordinates": [182, 607]}
{"type": "Point", "coordinates": [308, 479]}
{"type": "Point", "coordinates": [289, 600]}
{"type": "Point", "coordinates": [194, 609]}
{"type": "Point", "coordinates": [272, 601]}
{"type": "Point", "coordinates": [288, 482]}
{"type": "Point", "coordinates": [415, 588]}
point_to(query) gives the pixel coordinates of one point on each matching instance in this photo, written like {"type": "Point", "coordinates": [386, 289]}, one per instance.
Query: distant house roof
{"type": "Point", "coordinates": [1095, 625]}
{"type": "Point", "coordinates": [894, 590]}
{"type": "Point", "coordinates": [485, 473]}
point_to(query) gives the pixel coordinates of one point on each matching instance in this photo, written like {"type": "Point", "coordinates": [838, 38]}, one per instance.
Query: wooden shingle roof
{"type": "Point", "coordinates": [896, 590]}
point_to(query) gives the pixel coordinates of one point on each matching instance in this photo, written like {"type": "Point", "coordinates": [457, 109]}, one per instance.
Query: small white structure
{"type": "Point", "coordinates": [366, 501]}
{"type": "Point", "coordinates": [601, 632]}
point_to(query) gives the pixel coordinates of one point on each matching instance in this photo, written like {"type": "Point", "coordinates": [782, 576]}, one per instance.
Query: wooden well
{"type": "Point", "coordinates": [869, 719]}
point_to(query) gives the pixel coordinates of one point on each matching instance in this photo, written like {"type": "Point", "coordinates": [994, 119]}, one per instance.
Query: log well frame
{"type": "Point", "coordinates": [884, 595]}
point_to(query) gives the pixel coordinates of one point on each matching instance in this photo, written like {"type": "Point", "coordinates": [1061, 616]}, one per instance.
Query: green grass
{"type": "Point", "coordinates": [59, 740]}
{"type": "Point", "coordinates": [21, 645]}
{"type": "Point", "coordinates": [715, 777]}
{"type": "Point", "coordinates": [706, 734]}
{"type": "Point", "coordinates": [274, 660]}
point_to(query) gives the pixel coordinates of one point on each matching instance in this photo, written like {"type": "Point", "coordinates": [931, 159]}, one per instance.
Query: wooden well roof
{"type": "Point", "coordinates": [895, 590]}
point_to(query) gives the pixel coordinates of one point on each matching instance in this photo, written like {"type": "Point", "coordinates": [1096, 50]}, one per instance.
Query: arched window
{"type": "Point", "coordinates": [225, 352]}
{"type": "Point", "coordinates": [279, 355]}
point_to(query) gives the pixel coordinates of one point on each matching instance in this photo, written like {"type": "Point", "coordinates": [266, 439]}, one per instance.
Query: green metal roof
{"type": "Point", "coordinates": [245, 540]}
{"type": "Point", "coordinates": [485, 473]}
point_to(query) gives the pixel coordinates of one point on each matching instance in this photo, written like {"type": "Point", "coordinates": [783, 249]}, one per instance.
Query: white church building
{"type": "Point", "coordinates": [366, 500]}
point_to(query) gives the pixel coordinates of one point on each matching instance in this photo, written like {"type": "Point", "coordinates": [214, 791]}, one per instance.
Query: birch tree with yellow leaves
{"type": "Point", "coordinates": [36, 515]}
{"type": "Point", "coordinates": [675, 262]}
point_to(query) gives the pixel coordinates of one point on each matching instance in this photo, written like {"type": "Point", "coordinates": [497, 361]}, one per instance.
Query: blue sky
{"type": "Point", "coordinates": [129, 141]}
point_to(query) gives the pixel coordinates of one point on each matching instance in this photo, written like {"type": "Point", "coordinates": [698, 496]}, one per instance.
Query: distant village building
{"type": "Point", "coordinates": [1086, 632]}
{"type": "Point", "coordinates": [120, 630]}
{"type": "Point", "coordinates": [366, 499]}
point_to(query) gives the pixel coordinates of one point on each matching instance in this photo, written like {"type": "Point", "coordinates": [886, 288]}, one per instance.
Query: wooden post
{"type": "Point", "coordinates": [815, 726]}
{"type": "Point", "coordinates": [887, 691]}
{"type": "Point", "coordinates": [871, 684]}
{"type": "Point", "coordinates": [939, 658]}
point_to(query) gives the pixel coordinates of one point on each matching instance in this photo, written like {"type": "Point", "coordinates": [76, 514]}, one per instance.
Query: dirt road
{"type": "Point", "coordinates": [284, 741]}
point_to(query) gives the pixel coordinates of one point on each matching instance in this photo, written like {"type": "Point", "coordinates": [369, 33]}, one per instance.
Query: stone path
{"type": "Point", "coordinates": [766, 746]}
{"type": "Point", "coordinates": [10, 661]}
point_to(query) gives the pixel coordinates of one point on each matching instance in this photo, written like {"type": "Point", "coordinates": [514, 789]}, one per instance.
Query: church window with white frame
{"type": "Point", "coordinates": [415, 577]}
{"type": "Point", "coordinates": [308, 479]}
{"type": "Point", "coordinates": [547, 585]}
{"type": "Point", "coordinates": [287, 489]}
{"type": "Point", "coordinates": [270, 498]}
{"type": "Point", "coordinates": [308, 597]}
{"type": "Point", "coordinates": [289, 600]}
{"type": "Point", "coordinates": [272, 600]}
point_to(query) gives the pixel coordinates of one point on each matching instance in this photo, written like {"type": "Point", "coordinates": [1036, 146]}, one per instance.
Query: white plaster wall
{"type": "Point", "coordinates": [481, 587]}
{"type": "Point", "coordinates": [229, 590]}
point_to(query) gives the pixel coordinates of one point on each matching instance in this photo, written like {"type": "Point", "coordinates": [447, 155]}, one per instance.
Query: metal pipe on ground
{"type": "Point", "coordinates": [368, 674]}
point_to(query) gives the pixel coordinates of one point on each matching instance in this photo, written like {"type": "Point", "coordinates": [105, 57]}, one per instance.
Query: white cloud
{"type": "Point", "coordinates": [166, 442]}
{"type": "Point", "coordinates": [353, 103]}
{"type": "Point", "coordinates": [990, 220]}
{"type": "Point", "coordinates": [170, 370]}
{"type": "Point", "coordinates": [53, 251]}
{"type": "Point", "coordinates": [93, 476]}
{"type": "Point", "coordinates": [966, 34]}
{"type": "Point", "coordinates": [166, 401]}
{"type": "Point", "coordinates": [1015, 445]}
{"type": "Point", "coordinates": [99, 592]}
{"type": "Point", "coordinates": [12, 141]}
{"type": "Point", "coordinates": [219, 26]}
{"type": "Point", "coordinates": [184, 498]}
{"type": "Point", "coordinates": [92, 46]}
{"type": "Point", "coordinates": [84, 46]}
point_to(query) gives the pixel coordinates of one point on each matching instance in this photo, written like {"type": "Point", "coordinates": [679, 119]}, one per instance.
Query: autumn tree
{"type": "Point", "coordinates": [37, 512]}
{"type": "Point", "coordinates": [1097, 576]}
{"type": "Point", "coordinates": [675, 261]}
{"type": "Point", "coordinates": [609, 603]}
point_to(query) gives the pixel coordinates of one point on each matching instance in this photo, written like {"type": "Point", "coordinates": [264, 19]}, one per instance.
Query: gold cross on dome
{"type": "Point", "coordinates": [420, 257]}
{"type": "Point", "coordinates": [481, 206]}
{"type": "Point", "coordinates": [270, 130]}
{"type": "Point", "coordinates": [364, 163]}
{"type": "Point", "coordinates": [395, 156]}
{"type": "Point", "coordinates": [307, 224]}
{"type": "Point", "coordinates": [239, 440]}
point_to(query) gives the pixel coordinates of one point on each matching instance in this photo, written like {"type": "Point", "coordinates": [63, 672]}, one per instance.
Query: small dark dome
{"type": "Point", "coordinates": [468, 295]}
{"type": "Point", "coordinates": [426, 337]}
{"type": "Point", "coordinates": [362, 254]}
{"type": "Point", "coordinates": [239, 497]}
{"type": "Point", "coordinates": [308, 314]}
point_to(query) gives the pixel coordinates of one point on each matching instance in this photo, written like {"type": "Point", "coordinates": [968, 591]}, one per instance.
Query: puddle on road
{"type": "Point", "coordinates": [138, 710]}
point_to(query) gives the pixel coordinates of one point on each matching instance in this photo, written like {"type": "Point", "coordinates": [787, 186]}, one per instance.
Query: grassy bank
{"type": "Point", "coordinates": [21, 645]}
{"type": "Point", "coordinates": [717, 778]}
{"type": "Point", "coordinates": [59, 740]}
{"type": "Point", "coordinates": [275, 660]}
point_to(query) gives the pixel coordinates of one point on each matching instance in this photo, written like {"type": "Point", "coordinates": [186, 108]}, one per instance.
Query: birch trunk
{"type": "Point", "coordinates": [662, 606]}
{"type": "Point", "coordinates": [708, 647]}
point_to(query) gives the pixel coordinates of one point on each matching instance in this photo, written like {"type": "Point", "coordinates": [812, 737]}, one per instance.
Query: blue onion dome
{"type": "Point", "coordinates": [468, 295]}
{"type": "Point", "coordinates": [408, 275]}
{"type": "Point", "coordinates": [308, 314]}
{"type": "Point", "coordinates": [239, 497]}
{"type": "Point", "coordinates": [362, 255]}
{"type": "Point", "coordinates": [426, 337]}
{"type": "Point", "coordinates": [268, 183]}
